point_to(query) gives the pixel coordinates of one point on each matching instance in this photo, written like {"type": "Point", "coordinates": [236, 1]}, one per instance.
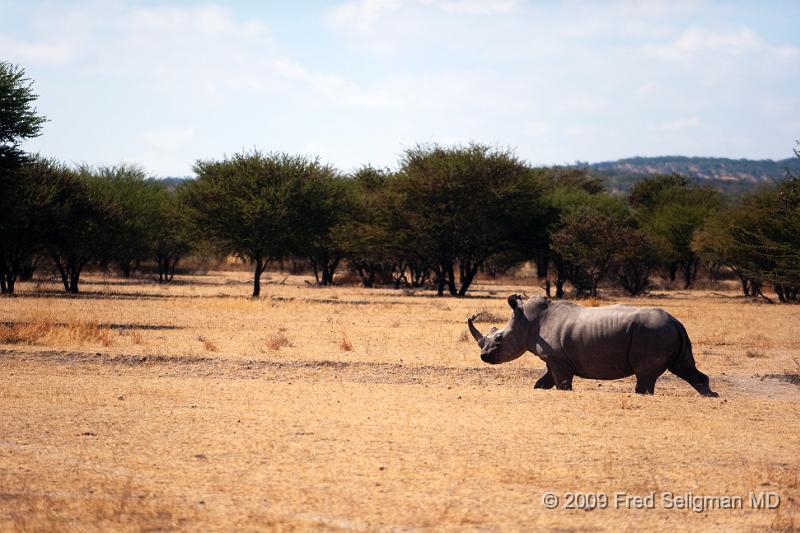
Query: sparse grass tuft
{"type": "Point", "coordinates": [277, 341]}
{"type": "Point", "coordinates": [208, 344]}
{"type": "Point", "coordinates": [484, 316]}
{"type": "Point", "coordinates": [345, 344]}
{"type": "Point", "coordinates": [464, 337]}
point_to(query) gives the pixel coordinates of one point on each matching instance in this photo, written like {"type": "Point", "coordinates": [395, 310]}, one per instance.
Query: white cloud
{"type": "Point", "coordinates": [363, 15]}
{"type": "Point", "coordinates": [477, 7]}
{"type": "Point", "coordinates": [697, 43]}
{"type": "Point", "coordinates": [37, 53]}
{"type": "Point", "coordinates": [537, 128]}
{"type": "Point", "coordinates": [676, 125]}
{"type": "Point", "coordinates": [333, 87]}
{"type": "Point", "coordinates": [583, 130]}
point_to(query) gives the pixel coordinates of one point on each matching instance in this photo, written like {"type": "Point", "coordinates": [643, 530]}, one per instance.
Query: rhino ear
{"type": "Point", "coordinates": [514, 301]}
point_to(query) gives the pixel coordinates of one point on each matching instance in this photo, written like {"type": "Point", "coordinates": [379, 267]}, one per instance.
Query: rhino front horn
{"type": "Point", "coordinates": [475, 333]}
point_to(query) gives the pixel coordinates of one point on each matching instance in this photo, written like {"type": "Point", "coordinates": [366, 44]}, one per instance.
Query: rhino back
{"type": "Point", "coordinates": [607, 342]}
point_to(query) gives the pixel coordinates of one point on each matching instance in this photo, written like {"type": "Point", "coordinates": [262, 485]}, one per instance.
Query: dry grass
{"type": "Point", "coordinates": [277, 341]}
{"type": "Point", "coordinates": [45, 329]}
{"type": "Point", "coordinates": [208, 344]}
{"type": "Point", "coordinates": [344, 343]}
{"type": "Point", "coordinates": [119, 419]}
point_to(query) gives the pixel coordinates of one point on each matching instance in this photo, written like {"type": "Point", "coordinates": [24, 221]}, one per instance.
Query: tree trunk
{"type": "Point", "coordinates": [745, 285]}
{"type": "Point", "coordinates": [161, 270]}
{"type": "Point", "coordinates": [70, 270]}
{"type": "Point", "coordinates": [257, 278]}
{"type": "Point", "coordinates": [467, 275]}
{"type": "Point", "coordinates": [689, 272]}
{"type": "Point", "coordinates": [440, 282]}
{"type": "Point", "coordinates": [316, 272]}
{"type": "Point", "coordinates": [171, 268]}
{"type": "Point", "coordinates": [451, 280]}
{"type": "Point", "coordinates": [63, 272]}
{"type": "Point", "coordinates": [542, 262]}
{"type": "Point", "coordinates": [8, 279]}
{"type": "Point", "coordinates": [27, 270]}
{"type": "Point", "coordinates": [125, 265]}
{"type": "Point", "coordinates": [673, 271]}
{"type": "Point", "coordinates": [73, 282]}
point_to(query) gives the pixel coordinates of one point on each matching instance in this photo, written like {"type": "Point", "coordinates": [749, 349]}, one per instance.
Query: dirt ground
{"type": "Point", "coordinates": [136, 407]}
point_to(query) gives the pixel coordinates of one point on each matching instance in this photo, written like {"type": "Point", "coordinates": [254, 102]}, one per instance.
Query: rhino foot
{"type": "Point", "coordinates": [546, 381]}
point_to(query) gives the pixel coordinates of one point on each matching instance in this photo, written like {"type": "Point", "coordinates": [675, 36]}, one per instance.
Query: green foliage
{"type": "Point", "coordinates": [18, 117]}
{"type": "Point", "coordinates": [171, 230]}
{"type": "Point", "coordinates": [590, 239]}
{"type": "Point", "coordinates": [32, 195]}
{"type": "Point", "coordinates": [648, 192]}
{"type": "Point", "coordinates": [131, 200]}
{"type": "Point", "coordinates": [465, 204]}
{"type": "Point", "coordinates": [671, 211]}
{"type": "Point", "coordinates": [571, 178]}
{"type": "Point", "coordinates": [370, 236]}
{"type": "Point", "coordinates": [83, 220]}
{"type": "Point", "coordinates": [636, 260]}
{"type": "Point", "coordinates": [262, 207]}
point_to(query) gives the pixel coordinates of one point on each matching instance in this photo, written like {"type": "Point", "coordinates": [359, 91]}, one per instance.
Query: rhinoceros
{"type": "Point", "coordinates": [608, 342]}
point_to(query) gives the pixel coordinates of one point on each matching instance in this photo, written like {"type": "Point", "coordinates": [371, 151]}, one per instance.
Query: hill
{"type": "Point", "coordinates": [729, 175]}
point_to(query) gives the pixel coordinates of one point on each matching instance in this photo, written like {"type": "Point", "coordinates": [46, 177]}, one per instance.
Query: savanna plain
{"type": "Point", "coordinates": [190, 406]}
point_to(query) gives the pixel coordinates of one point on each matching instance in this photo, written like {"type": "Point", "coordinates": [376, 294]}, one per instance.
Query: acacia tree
{"type": "Point", "coordinates": [720, 241]}
{"type": "Point", "coordinates": [18, 118]}
{"type": "Point", "coordinates": [463, 204]}
{"type": "Point", "coordinates": [31, 198]}
{"type": "Point", "coordinates": [635, 262]}
{"type": "Point", "coordinates": [671, 211]}
{"type": "Point", "coordinates": [261, 207]}
{"type": "Point", "coordinates": [590, 239]}
{"type": "Point", "coordinates": [562, 201]}
{"type": "Point", "coordinates": [19, 195]}
{"type": "Point", "coordinates": [133, 198]}
{"type": "Point", "coordinates": [172, 238]}
{"type": "Point", "coordinates": [768, 236]}
{"type": "Point", "coordinates": [82, 220]}
{"type": "Point", "coordinates": [367, 236]}
{"type": "Point", "coordinates": [326, 250]}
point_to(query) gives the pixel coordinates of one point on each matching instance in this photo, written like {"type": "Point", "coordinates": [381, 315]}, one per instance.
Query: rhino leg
{"type": "Point", "coordinates": [685, 368]}
{"type": "Point", "coordinates": [546, 381]}
{"type": "Point", "coordinates": [645, 384]}
{"type": "Point", "coordinates": [562, 375]}
{"type": "Point", "coordinates": [696, 379]}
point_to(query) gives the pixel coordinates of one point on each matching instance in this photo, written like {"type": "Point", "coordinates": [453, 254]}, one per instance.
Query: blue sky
{"type": "Point", "coordinates": [166, 83]}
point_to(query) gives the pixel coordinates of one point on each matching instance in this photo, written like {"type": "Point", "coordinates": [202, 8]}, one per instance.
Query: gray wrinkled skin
{"type": "Point", "coordinates": [609, 342]}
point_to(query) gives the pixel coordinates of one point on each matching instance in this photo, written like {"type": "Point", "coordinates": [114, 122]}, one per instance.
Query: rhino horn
{"type": "Point", "coordinates": [480, 339]}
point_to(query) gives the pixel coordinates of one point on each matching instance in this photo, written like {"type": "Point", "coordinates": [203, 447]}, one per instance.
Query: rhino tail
{"type": "Point", "coordinates": [684, 358]}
